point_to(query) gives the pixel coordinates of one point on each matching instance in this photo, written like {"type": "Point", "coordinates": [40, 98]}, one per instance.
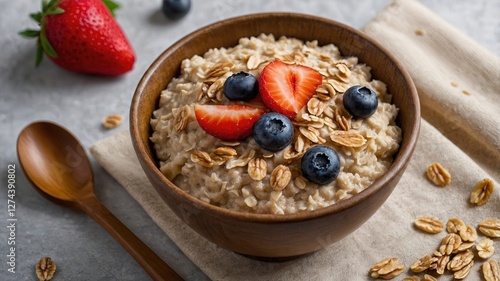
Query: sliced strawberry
{"type": "Point", "coordinates": [227, 122]}
{"type": "Point", "coordinates": [286, 88]}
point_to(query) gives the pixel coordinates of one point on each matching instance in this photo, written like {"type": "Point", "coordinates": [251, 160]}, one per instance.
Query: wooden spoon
{"type": "Point", "coordinates": [58, 167]}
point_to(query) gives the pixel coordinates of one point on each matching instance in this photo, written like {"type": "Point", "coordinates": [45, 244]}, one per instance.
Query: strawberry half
{"type": "Point", "coordinates": [82, 36]}
{"type": "Point", "coordinates": [227, 122]}
{"type": "Point", "coordinates": [286, 88]}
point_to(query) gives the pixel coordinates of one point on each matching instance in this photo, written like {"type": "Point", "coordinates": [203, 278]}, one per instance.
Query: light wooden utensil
{"type": "Point", "coordinates": [58, 167]}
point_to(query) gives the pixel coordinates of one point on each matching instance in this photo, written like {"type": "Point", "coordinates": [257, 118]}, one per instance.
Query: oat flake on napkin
{"type": "Point", "coordinates": [458, 83]}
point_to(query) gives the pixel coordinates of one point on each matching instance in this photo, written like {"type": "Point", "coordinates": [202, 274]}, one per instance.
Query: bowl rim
{"type": "Point", "coordinates": [399, 163]}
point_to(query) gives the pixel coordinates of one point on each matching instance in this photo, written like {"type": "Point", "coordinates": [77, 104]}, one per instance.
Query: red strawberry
{"type": "Point", "coordinates": [286, 88]}
{"type": "Point", "coordinates": [255, 102]}
{"type": "Point", "coordinates": [82, 36]}
{"type": "Point", "coordinates": [227, 122]}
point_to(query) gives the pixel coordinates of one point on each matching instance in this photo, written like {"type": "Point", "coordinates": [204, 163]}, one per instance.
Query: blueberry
{"type": "Point", "coordinates": [241, 86]}
{"type": "Point", "coordinates": [320, 164]}
{"type": "Point", "coordinates": [176, 9]}
{"type": "Point", "coordinates": [273, 131]}
{"type": "Point", "coordinates": [360, 101]}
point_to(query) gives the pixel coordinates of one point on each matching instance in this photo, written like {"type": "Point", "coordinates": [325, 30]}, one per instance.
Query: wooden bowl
{"type": "Point", "coordinates": [267, 236]}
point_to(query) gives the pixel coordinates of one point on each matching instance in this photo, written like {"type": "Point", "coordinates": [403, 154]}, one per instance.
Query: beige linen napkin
{"type": "Point", "coordinates": [459, 130]}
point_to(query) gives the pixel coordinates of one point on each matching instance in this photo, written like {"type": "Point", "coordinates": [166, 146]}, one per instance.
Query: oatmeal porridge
{"type": "Point", "coordinates": [243, 176]}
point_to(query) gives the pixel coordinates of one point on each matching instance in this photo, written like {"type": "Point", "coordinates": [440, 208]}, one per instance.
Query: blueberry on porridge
{"type": "Point", "coordinates": [320, 164]}
{"type": "Point", "coordinates": [360, 101]}
{"type": "Point", "coordinates": [241, 86]}
{"type": "Point", "coordinates": [273, 131]}
{"type": "Point", "coordinates": [274, 125]}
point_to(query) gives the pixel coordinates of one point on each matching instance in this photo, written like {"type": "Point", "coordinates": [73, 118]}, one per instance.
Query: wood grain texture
{"type": "Point", "coordinates": [266, 236]}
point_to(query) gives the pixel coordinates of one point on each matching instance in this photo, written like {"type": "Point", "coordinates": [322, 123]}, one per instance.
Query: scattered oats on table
{"type": "Point", "coordinates": [420, 32]}
{"type": "Point", "coordinates": [438, 175]}
{"type": "Point", "coordinates": [454, 254]}
{"type": "Point", "coordinates": [454, 225]}
{"type": "Point", "coordinates": [449, 244]}
{"type": "Point", "coordinates": [429, 224]}
{"type": "Point", "coordinates": [45, 269]}
{"type": "Point", "coordinates": [491, 270]}
{"type": "Point", "coordinates": [112, 121]}
{"type": "Point", "coordinates": [462, 273]}
{"type": "Point", "coordinates": [460, 260]}
{"type": "Point", "coordinates": [465, 92]}
{"type": "Point", "coordinates": [440, 264]}
{"type": "Point", "coordinates": [490, 228]}
{"type": "Point", "coordinates": [423, 264]}
{"type": "Point", "coordinates": [482, 192]}
{"type": "Point", "coordinates": [464, 246]}
{"type": "Point", "coordinates": [468, 233]}
{"type": "Point", "coordinates": [485, 248]}
{"type": "Point", "coordinates": [387, 268]}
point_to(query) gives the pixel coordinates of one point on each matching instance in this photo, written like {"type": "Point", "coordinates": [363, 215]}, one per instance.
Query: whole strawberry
{"type": "Point", "coordinates": [82, 36]}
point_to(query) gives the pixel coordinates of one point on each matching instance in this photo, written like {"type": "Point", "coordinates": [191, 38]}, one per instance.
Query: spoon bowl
{"type": "Point", "coordinates": [55, 163]}
{"type": "Point", "coordinates": [57, 166]}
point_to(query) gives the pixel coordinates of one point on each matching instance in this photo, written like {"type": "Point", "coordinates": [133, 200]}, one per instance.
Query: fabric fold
{"type": "Point", "coordinates": [458, 80]}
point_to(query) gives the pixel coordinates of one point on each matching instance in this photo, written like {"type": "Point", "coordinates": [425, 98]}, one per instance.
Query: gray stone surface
{"type": "Point", "coordinates": [80, 247]}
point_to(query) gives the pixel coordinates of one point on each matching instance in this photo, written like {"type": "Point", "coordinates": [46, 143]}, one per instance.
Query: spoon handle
{"type": "Point", "coordinates": [152, 264]}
